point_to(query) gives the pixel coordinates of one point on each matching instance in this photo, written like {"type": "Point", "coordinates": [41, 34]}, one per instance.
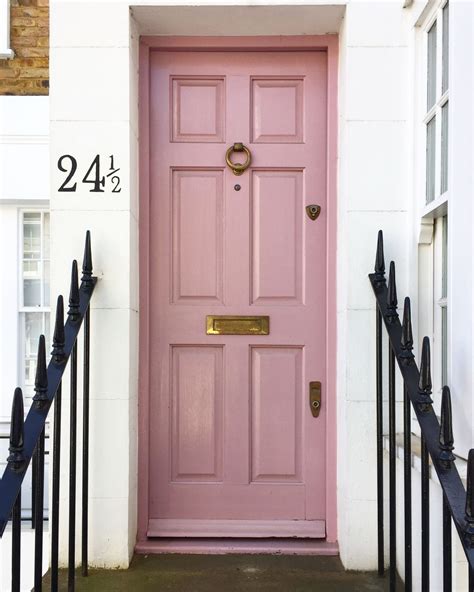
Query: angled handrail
{"type": "Point", "coordinates": [27, 435]}
{"type": "Point", "coordinates": [437, 438]}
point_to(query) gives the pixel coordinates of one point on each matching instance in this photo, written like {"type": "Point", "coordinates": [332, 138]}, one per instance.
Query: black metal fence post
{"type": "Point", "coordinates": [59, 358]}
{"type": "Point", "coordinates": [40, 400]}
{"type": "Point", "coordinates": [407, 356]}
{"type": "Point", "coordinates": [391, 315]}
{"type": "Point", "coordinates": [73, 314]}
{"type": "Point", "coordinates": [380, 281]}
{"type": "Point", "coordinates": [88, 283]}
{"type": "Point", "coordinates": [17, 463]}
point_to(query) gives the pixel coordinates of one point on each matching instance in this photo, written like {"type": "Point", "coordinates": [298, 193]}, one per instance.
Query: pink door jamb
{"type": "Point", "coordinates": [330, 45]}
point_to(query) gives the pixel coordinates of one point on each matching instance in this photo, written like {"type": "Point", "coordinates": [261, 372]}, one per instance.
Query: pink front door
{"type": "Point", "coordinates": [234, 448]}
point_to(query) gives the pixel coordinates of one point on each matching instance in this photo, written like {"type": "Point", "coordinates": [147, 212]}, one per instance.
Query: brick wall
{"type": "Point", "coordinates": [28, 72]}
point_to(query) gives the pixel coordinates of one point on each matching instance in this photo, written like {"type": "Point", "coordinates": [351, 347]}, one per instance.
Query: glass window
{"type": "Point", "coordinates": [431, 160]}
{"type": "Point", "coordinates": [444, 302]}
{"type": "Point", "coordinates": [445, 75]}
{"type": "Point", "coordinates": [34, 305]}
{"type": "Point", "coordinates": [431, 78]}
{"type": "Point", "coordinates": [444, 147]}
{"type": "Point", "coordinates": [437, 105]}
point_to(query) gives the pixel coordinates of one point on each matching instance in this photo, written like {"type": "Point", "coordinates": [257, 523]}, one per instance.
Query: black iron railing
{"type": "Point", "coordinates": [27, 437]}
{"type": "Point", "coordinates": [437, 444]}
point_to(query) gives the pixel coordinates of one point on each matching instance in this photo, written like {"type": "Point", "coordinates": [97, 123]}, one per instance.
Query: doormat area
{"type": "Point", "coordinates": [229, 573]}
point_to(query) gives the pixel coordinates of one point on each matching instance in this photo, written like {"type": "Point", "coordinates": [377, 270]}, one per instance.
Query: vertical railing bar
{"type": "Point", "coordinates": [16, 544]}
{"type": "Point", "coordinates": [392, 472]}
{"type": "Point", "coordinates": [447, 548]}
{"type": "Point", "coordinates": [407, 488]}
{"type": "Point", "coordinates": [34, 469]}
{"type": "Point", "coordinates": [425, 518]}
{"type": "Point", "coordinates": [72, 473]}
{"type": "Point", "coordinates": [17, 462]}
{"type": "Point", "coordinates": [55, 492]}
{"type": "Point", "coordinates": [85, 446]}
{"type": "Point", "coordinates": [39, 508]}
{"type": "Point", "coordinates": [379, 395]}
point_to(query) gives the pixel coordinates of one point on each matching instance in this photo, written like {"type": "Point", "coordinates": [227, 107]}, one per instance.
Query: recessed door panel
{"type": "Point", "coordinates": [277, 426]}
{"type": "Point", "coordinates": [198, 109]}
{"type": "Point", "coordinates": [277, 110]}
{"type": "Point", "coordinates": [277, 237]}
{"type": "Point", "coordinates": [196, 413]}
{"type": "Point", "coordinates": [198, 228]}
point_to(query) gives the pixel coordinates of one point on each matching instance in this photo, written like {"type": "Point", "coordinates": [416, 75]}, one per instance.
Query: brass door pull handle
{"type": "Point", "coordinates": [236, 167]}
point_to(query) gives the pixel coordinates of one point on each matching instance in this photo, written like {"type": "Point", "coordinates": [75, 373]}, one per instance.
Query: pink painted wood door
{"type": "Point", "coordinates": [234, 448]}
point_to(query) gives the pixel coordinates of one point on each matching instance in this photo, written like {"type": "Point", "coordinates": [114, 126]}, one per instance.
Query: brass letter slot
{"type": "Point", "coordinates": [315, 397]}
{"type": "Point", "coordinates": [229, 325]}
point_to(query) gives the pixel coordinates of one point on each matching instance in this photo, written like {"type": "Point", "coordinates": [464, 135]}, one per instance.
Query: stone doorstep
{"type": "Point", "coordinates": [228, 573]}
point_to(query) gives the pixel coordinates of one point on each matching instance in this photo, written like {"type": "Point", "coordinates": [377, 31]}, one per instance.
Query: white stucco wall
{"type": "Point", "coordinates": [373, 194]}
{"type": "Point", "coordinates": [94, 107]}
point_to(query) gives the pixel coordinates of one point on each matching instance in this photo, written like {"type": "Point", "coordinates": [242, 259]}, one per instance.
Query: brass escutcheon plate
{"type": "Point", "coordinates": [315, 397]}
{"type": "Point", "coordinates": [237, 325]}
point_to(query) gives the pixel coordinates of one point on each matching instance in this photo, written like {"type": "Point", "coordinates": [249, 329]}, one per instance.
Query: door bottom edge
{"type": "Point", "coordinates": [241, 529]}
{"type": "Point", "coordinates": [227, 546]}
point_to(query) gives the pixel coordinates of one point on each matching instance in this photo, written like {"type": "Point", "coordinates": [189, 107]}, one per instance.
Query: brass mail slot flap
{"type": "Point", "coordinates": [237, 325]}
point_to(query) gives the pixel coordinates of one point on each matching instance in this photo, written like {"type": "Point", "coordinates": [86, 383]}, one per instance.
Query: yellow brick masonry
{"type": "Point", "coordinates": [28, 72]}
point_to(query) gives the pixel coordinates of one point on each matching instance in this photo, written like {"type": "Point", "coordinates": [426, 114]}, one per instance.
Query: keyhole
{"type": "Point", "coordinates": [237, 187]}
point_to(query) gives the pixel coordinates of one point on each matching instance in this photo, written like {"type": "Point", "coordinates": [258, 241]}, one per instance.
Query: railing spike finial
{"type": "Point", "coordinates": [469, 515]}
{"type": "Point", "coordinates": [379, 261]}
{"type": "Point", "coordinates": [446, 438]}
{"type": "Point", "coordinates": [424, 385]}
{"type": "Point", "coordinates": [86, 278]}
{"type": "Point", "coordinates": [17, 432]}
{"type": "Point", "coordinates": [392, 301]}
{"type": "Point", "coordinates": [41, 378]}
{"type": "Point", "coordinates": [407, 334]}
{"type": "Point", "coordinates": [73, 312]}
{"type": "Point", "coordinates": [59, 340]}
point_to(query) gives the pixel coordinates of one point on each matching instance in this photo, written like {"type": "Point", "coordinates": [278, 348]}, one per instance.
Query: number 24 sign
{"type": "Point", "coordinates": [99, 182]}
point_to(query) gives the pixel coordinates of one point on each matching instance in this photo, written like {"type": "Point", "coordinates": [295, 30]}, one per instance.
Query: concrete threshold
{"type": "Point", "coordinates": [229, 573]}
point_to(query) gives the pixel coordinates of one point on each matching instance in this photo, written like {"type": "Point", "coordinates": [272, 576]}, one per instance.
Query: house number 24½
{"type": "Point", "coordinates": [99, 183]}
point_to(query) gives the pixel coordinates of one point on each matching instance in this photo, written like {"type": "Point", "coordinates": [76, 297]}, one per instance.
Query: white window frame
{"type": "Point", "coordinates": [430, 215]}
{"type": "Point", "coordinates": [22, 309]}
{"type": "Point", "coordinates": [5, 50]}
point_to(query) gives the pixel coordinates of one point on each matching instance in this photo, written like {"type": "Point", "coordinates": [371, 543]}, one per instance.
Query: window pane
{"type": "Point", "coordinates": [430, 159]}
{"type": "Point", "coordinates": [32, 236]}
{"type": "Point", "coordinates": [46, 236]}
{"type": "Point", "coordinates": [431, 90]}
{"type": "Point", "coordinates": [46, 283]}
{"type": "Point", "coordinates": [33, 329]}
{"type": "Point", "coordinates": [445, 81]}
{"type": "Point", "coordinates": [444, 268]}
{"type": "Point", "coordinates": [444, 147]}
{"type": "Point", "coordinates": [31, 283]}
{"type": "Point", "coordinates": [444, 345]}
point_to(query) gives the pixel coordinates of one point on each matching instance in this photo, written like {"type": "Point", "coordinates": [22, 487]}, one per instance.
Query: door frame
{"type": "Point", "coordinates": [328, 44]}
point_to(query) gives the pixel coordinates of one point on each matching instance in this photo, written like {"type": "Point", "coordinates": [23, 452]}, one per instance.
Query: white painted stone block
{"type": "Point", "coordinates": [110, 232]}
{"type": "Point", "coordinates": [84, 141]}
{"type": "Point", "coordinates": [376, 156]}
{"type": "Point", "coordinates": [89, 24]}
{"type": "Point", "coordinates": [376, 24]}
{"type": "Point", "coordinates": [376, 80]}
{"type": "Point", "coordinates": [90, 84]}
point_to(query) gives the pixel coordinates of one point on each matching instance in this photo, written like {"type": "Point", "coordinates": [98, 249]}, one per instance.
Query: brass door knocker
{"type": "Point", "coordinates": [237, 167]}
